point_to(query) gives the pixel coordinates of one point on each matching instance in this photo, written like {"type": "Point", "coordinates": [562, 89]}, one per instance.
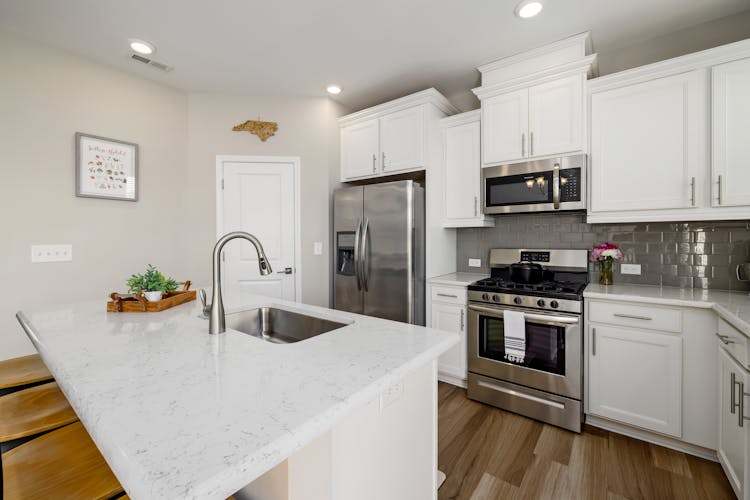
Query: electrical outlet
{"type": "Point", "coordinates": [475, 262]}
{"type": "Point", "coordinates": [391, 395]}
{"type": "Point", "coordinates": [630, 269]}
{"type": "Point", "coordinates": [317, 248]}
{"type": "Point", "coordinates": [51, 253]}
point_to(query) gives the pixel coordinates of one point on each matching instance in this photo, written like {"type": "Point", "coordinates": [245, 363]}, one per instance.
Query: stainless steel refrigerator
{"type": "Point", "coordinates": [378, 233]}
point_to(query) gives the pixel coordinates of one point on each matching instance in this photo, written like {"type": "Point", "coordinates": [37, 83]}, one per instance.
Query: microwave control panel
{"type": "Point", "coordinates": [570, 184]}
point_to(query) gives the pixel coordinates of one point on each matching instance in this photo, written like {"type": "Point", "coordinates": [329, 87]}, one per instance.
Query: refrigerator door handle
{"type": "Point", "coordinates": [357, 274]}
{"type": "Point", "coordinates": [363, 254]}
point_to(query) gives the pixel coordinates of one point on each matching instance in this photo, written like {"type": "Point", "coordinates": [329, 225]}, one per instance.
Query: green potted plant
{"type": "Point", "coordinates": [152, 283]}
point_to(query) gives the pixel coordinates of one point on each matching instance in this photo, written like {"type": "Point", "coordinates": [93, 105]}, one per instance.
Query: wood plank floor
{"type": "Point", "coordinates": [487, 453]}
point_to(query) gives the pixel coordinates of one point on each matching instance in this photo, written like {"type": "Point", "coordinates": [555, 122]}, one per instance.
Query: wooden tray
{"type": "Point", "coordinates": [138, 303]}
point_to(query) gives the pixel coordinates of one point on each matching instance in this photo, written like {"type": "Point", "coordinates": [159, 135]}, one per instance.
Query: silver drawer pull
{"type": "Point", "coordinates": [724, 339]}
{"type": "Point", "coordinates": [447, 295]}
{"type": "Point", "coordinates": [511, 392]}
{"type": "Point", "coordinates": [632, 316]}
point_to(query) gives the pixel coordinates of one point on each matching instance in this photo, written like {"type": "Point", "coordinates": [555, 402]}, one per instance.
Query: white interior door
{"type": "Point", "coordinates": [259, 197]}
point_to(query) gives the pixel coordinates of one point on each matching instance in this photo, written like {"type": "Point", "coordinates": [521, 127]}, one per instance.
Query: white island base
{"type": "Point", "coordinates": [387, 449]}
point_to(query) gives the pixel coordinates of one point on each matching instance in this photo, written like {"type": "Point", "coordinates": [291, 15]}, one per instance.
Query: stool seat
{"type": "Point", "coordinates": [64, 463]}
{"type": "Point", "coordinates": [23, 371]}
{"type": "Point", "coordinates": [33, 410]}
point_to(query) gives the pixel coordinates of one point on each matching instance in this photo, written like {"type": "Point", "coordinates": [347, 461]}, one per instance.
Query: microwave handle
{"type": "Point", "coordinates": [556, 186]}
{"type": "Point", "coordinates": [566, 320]}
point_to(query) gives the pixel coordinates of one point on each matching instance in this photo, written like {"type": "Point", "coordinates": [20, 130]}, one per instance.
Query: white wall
{"type": "Point", "coordinates": [45, 97]}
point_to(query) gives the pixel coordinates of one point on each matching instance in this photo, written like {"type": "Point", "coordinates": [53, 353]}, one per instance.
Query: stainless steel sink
{"type": "Point", "coordinates": [278, 325]}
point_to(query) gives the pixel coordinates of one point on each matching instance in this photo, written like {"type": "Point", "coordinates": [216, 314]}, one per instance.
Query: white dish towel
{"type": "Point", "coordinates": [515, 336]}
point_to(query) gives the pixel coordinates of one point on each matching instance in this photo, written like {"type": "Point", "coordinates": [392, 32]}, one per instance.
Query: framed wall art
{"type": "Point", "coordinates": [106, 168]}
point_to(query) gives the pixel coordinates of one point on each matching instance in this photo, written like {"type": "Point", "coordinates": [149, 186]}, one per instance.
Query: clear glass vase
{"type": "Point", "coordinates": [605, 272]}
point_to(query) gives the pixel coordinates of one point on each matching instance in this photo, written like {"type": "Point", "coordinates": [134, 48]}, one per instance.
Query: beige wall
{"type": "Point", "coordinates": [305, 130]}
{"type": "Point", "coordinates": [45, 97]}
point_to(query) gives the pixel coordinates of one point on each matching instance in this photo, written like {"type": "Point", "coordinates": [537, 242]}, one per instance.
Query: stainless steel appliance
{"type": "Point", "coordinates": [545, 381]}
{"type": "Point", "coordinates": [379, 250]}
{"type": "Point", "coordinates": [535, 186]}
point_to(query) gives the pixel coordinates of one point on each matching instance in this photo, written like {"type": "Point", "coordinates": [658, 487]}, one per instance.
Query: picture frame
{"type": "Point", "coordinates": [106, 168]}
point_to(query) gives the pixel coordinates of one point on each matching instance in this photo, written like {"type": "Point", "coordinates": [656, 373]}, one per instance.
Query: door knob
{"type": "Point", "coordinates": [286, 270]}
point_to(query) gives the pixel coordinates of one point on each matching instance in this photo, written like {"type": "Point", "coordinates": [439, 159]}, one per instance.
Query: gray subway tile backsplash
{"type": "Point", "coordinates": [684, 254]}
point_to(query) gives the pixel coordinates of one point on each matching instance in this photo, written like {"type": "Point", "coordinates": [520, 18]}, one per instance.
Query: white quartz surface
{"type": "Point", "coordinates": [179, 413]}
{"type": "Point", "coordinates": [734, 307]}
{"type": "Point", "coordinates": [457, 279]}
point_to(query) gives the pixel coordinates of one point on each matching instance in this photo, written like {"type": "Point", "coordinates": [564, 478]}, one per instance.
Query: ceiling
{"type": "Point", "coordinates": [374, 50]}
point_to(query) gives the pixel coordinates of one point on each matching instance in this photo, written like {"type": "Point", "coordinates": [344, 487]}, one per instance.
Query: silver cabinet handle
{"type": "Point", "coordinates": [732, 383]}
{"type": "Point", "coordinates": [593, 341]}
{"type": "Point", "coordinates": [720, 186]}
{"type": "Point", "coordinates": [462, 320]}
{"type": "Point", "coordinates": [374, 159]}
{"type": "Point", "coordinates": [556, 186]}
{"type": "Point", "coordinates": [531, 143]}
{"type": "Point", "coordinates": [447, 295]}
{"type": "Point", "coordinates": [692, 191]}
{"type": "Point", "coordinates": [286, 270]}
{"type": "Point", "coordinates": [364, 253]}
{"type": "Point", "coordinates": [523, 144]}
{"type": "Point", "coordinates": [383, 161]}
{"type": "Point", "coordinates": [632, 316]}
{"type": "Point", "coordinates": [358, 255]}
{"type": "Point", "coordinates": [476, 207]}
{"type": "Point", "coordinates": [741, 405]}
{"type": "Point", "coordinates": [724, 339]}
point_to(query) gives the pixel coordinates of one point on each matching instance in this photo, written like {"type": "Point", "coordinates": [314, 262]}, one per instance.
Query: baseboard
{"type": "Point", "coordinates": [453, 380]}
{"type": "Point", "coordinates": [651, 437]}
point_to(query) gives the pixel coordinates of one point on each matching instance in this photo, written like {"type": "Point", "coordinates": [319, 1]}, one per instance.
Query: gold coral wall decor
{"type": "Point", "coordinates": [263, 130]}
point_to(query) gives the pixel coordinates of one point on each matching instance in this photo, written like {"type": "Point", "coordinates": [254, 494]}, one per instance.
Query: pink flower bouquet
{"type": "Point", "coordinates": [605, 251]}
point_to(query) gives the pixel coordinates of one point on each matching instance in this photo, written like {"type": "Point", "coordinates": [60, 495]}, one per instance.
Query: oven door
{"type": "Point", "coordinates": [553, 349]}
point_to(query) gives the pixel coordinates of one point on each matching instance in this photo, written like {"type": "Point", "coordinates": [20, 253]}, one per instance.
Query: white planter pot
{"type": "Point", "coordinates": [153, 296]}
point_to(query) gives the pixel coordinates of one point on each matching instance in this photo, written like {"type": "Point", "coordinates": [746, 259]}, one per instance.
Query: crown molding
{"type": "Point", "coordinates": [574, 41]}
{"type": "Point", "coordinates": [461, 118]}
{"type": "Point", "coordinates": [427, 96]}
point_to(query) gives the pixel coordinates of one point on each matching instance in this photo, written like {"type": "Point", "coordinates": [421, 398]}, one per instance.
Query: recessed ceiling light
{"type": "Point", "coordinates": [333, 89]}
{"type": "Point", "coordinates": [141, 46]}
{"type": "Point", "coordinates": [528, 8]}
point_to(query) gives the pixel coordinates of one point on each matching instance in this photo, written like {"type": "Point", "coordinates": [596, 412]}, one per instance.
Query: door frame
{"type": "Point", "coordinates": [295, 161]}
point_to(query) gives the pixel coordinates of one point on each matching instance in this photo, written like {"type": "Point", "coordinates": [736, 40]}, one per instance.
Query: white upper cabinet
{"type": "Point", "coordinates": [556, 116]}
{"type": "Point", "coordinates": [393, 137]}
{"type": "Point", "coordinates": [505, 120]}
{"type": "Point", "coordinates": [647, 144]}
{"type": "Point", "coordinates": [463, 197]}
{"type": "Point", "coordinates": [532, 103]}
{"type": "Point", "coordinates": [360, 146]}
{"type": "Point", "coordinates": [731, 134]}
{"type": "Point", "coordinates": [402, 140]}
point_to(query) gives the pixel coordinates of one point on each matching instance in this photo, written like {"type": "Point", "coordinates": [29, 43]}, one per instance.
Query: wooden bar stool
{"type": "Point", "coordinates": [64, 463]}
{"type": "Point", "coordinates": [19, 372]}
{"type": "Point", "coordinates": [32, 411]}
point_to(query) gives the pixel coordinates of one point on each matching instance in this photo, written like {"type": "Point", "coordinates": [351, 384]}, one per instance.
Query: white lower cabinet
{"type": "Point", "coordinates": [635, 377]}
{"type": "Point", "coordinates": [447, 311]}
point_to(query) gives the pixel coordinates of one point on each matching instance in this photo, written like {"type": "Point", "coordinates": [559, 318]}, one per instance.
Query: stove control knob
{"type": "Point", "coordinates": [554, 304]}
{"type": "Point", "coordinates": [518, 301]}
{"type": "Point", "coordinates": [540, 302]}
{"type": "Point", "coordinates": [495, 298]}
{"type": "Point", "coordinates": [485, 296]}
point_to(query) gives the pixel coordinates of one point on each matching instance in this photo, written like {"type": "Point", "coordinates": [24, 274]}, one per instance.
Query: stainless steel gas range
{"type": "Point", "coordinates": [525, 334]}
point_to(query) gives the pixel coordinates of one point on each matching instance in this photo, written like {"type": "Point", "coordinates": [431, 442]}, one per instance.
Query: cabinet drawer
{"type": "Point", "coordinates": [652, 318]}
{"type": "Point", "coordinates": [733, 341]}
{"type": "Point", "coordinates": [448, 294]}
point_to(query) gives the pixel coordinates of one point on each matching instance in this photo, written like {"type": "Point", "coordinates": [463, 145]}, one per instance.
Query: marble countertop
{"type": "Point", "coordinates": [457, 279]}
{"type": "Point", "coordinates": [179, 413]}
{"type": "Point", "coordinates": [734, 307]}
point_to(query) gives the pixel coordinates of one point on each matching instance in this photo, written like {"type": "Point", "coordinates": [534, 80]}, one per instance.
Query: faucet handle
{"type": "Point", "coordinates": [206, 307]}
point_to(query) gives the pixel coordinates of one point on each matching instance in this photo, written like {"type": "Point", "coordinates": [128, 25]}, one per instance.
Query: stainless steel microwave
{"type": "Point", "coordinates": [550, 185]}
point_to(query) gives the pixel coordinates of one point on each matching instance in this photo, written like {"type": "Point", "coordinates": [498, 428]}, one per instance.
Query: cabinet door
{"type": "Point", "coordinates": [635, 377]}
{"type": "Point", "coordinates": [359, 150]}
{"type": "Point", "coordinates": [462, 171]}
{"type": "Point", "coordinates": [451, 318]}
{"type": "Point", "coordinates": [648, 144]}
{"type": "Point", "coordinates": [732, 437]}
{"type": "Point", "coordinates": [730, 126]}
{"type": "Point", "coordinates": [505, 123]}
{"type": "Point", "coordinates": [402, 138]}
{"type": "Point", "coordinates": [556, 117]}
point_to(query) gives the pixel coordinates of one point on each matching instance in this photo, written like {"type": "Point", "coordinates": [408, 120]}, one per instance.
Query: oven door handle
{"type": "Point", "coordinates": [539, 318]}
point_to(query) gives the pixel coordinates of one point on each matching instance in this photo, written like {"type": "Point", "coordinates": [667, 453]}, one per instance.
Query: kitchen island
{"type": "Point", "coordinates": [179, 413]}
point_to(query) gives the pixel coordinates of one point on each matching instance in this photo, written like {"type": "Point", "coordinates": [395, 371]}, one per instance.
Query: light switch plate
{"type": "Point", "coordinates": [52, 253]}
{"type": "Point", "coordinates": [391, 395]}
{"type": "Point", "coordinates": [475, 262]}
{"type": "Point", "coordinates": [317, 248]}
{"type": "Point", "coordinates": [630, 269]}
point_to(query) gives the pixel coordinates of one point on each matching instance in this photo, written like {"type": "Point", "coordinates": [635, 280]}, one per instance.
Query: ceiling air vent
{"type": "Point", "coordinates": [150, 62]}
